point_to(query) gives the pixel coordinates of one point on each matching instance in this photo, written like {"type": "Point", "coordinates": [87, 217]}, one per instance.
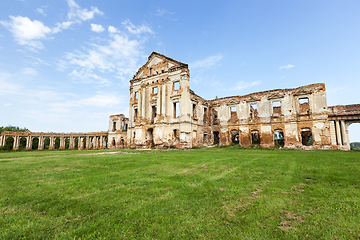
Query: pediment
{"type": "Point", "coordinates": [302, 92]}
{"type": "Point", "coordinates": [253, 99]}
{"type": "Point", "coordinates": [275, 96]}
{"type": "Point", "coordinates": [232, 102]}
{"type": "Point", "coordinates": [157, 64]}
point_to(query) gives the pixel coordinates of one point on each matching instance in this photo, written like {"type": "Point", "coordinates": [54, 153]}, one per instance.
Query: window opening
{"type": "Point", "coordinates": [276, 108]}
{"type": "Point", "coordinates": [155, 90]}
{"type": "Point", "coordinates": [215, 116]}
{"type": "Point", "coordinates": [151, 71]}
{"type": "Point", "coordinates": [234, 136]}
{"type": "Point", "coordinates": [136, 95]}
{"type": "Point", "coordinates": [255, 137]}
{"type": "Point", "coordinates": [216, 137]}
{"type": "Point", "coordinates": [153, 116]}
{"type": "Point", "coordinates": [205, 115]}
{"type": "Point", "coordinates": [176, 85]}
{"type": "Point", "coordinates": [114, 126]}
{"type": "Point", "coordinates": [306, 137]}
{"type": "Point", "coordinates": [205, 138]}
{"type": "Point", "coordinates": [253, 111]}
{"type": "Point", "coordinates": [194, 110]}
{"type": "Point", "coordinates": [113, 142]}
{"type": "Point", "coordinates": [304, 105]}
{"type": "Point", "coordinates": [279, 138]}
{"type": "Point", "coordinates": [176, 135]}
{"type": "Point", "coordinates": [135, 114]}
{"type": "Point", "coordinates": [233, 113]}
{"type": "Point", "coordinates": [176, 109]}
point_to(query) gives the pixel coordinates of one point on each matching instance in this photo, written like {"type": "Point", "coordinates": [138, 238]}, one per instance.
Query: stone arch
{"type": "Point", "coordinates": [35, 143]}
{"type": "Point", "coordinates": [22, 143]}
{"type": "Point", "coordinates": [57, 143]}
{"type": "Point", "coordinates": [46, 143]}
{"type": "Point", "coordinates": [279, 139]}
{"type": "Point", "coordinates": [255, 137]}
{"type": "Point", "coordinates": [306, 137]}
{"type": "Point", "coordinates": [235, 136]}
{"type": "Point", "coordinates": [352, 130]}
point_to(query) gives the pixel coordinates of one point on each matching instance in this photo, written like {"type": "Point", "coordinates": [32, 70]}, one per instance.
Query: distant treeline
{"type": "Point", "coordinates": [13, 129]}
{"type": "Point", "coordinates": [355, 145]}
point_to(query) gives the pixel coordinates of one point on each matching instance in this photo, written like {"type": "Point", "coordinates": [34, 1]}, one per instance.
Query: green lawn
{"type": "Point", "coordinates": [210, 193]}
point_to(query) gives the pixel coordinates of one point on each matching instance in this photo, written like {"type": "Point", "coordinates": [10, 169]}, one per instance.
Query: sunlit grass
{"type": "Point", "coordinates": [212, 193]}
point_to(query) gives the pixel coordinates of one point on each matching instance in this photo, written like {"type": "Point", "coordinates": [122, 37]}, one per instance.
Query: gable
{"type": "Point", "coordinates": [157, 63]}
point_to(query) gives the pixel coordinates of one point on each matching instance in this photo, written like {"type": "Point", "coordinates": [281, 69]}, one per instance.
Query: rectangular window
{"type": "Point", "coordinates": [136, 95]}
{"type": "Point", "coordinates": [135, 114]}
{"type": "Point", "coordinates": [304, 105]}
{"type": "Point", "coordinates": [194, 110]}
{"type": "Point", "coordinates": [151, 71]}
{"type": "Point", "coordinates": [155, 90]}
{"type": "Point", "coordinates": [176, 85]}
{"type": "Point", "coordinates": [233, 113]}
{"type": "Point", "coordinates": [276, 107]}
{"type": "Point", "coordinates": [253, 111]}
{"type": "Point", "coordinates": [154, 112]}
{"type": "Point", "coordinates": [176, 109]}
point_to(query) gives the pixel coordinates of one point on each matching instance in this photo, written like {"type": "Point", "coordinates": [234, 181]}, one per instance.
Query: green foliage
{"type": "Point", "coordinates": [13, 129]}
{"type": "Point", "coordinates": [210, 193]}
{"type": "Point", "coordinates": [9, 141]}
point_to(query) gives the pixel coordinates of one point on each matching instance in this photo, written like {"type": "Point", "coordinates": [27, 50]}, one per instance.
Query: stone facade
{"type": "Point", "coordinates": [165, 112]}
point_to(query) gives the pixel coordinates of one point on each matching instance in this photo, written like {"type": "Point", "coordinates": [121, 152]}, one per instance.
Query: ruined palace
{"type": "Point", "coordinates": [165, 112]}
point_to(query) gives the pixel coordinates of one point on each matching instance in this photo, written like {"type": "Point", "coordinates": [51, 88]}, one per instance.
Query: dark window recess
{"type": "Point", "coordinates": [255, 137]}
{"type": "Point", "coordinates": [136, 95]}
{"type": "Point", "coordinates": [114, 126]}
{"type": "Point", "coordinates": [194, 110]}
{"type": "Point", "coordinates": [135, 114]}
{"type": "Point", "coordinates": [306, 137]}
{"type": "Point", "coordinates": [216, 137]}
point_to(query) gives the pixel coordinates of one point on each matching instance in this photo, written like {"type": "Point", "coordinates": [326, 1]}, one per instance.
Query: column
{"type": "Point", "coordinates": [343, 133]}
{"type": "Point", "coordinates": [143, 95]}
{"type": "Point", "coordinates": [16, 143]}
{"type": "Point", "coordinates": [1, 140]}
{"type": "Point", "coordinates": [52, 143]}
{"type": "Point", "coordinates": [71, 142]}
{"type": "Point", "coordinates": [81, 143]}
{"type": "Point", "coordinates": [96, 142]}
{"type": "Point", "coordinates": [338, 134]}
{"type": "Point", "coordinates": [87, 142]}
{"type": "Point", "coordinates": [29, 140]}
{"type": "Point", "coordinates": [163, 100]}
{"type": "Point", "coordinates": [41, 143]}
{"type": "Point", "coordinates": [139, 105]}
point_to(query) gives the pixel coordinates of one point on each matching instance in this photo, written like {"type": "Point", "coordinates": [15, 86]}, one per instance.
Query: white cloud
{"type": "Point", "coordinates": [287, 66]}
{"type": "Point", "coordinates": [206, 63]}
{"type": "Point", "coordinates": [136, 29]}
{"type": "Point", "coordinates": [41, 11]}
{"type": "Point", "coordinates": [112, 29]}
{"type": "Point", "coordinates": [88, 77]}
{"type": "Point", "coordinates": [27, 32]}
{"type": "Point", "coordinates": [29, 71]}
{"type": "Point", "coordinates": [242, 85]}
{"type": "Point", "coordinates": [120, 54]}
{"type": "Point", "coordinates": [78, 14]}
{"type": "Point", "coordinates": [97, 28]}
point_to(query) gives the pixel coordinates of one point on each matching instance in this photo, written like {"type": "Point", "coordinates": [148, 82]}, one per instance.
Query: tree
{"type": "Point", "coordinates": [9, 141]}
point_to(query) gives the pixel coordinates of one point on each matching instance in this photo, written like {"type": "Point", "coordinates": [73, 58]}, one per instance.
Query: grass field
{"type": "Point", "coordinates": [209, 193]}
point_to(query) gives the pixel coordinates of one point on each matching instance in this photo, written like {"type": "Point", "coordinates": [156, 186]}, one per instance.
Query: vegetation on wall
{"type": "Point", "coordinates": [9, 141]}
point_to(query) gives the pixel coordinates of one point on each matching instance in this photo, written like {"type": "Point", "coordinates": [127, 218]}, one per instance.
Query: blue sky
{"type": "Point", "coordinates": [65, 64]}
